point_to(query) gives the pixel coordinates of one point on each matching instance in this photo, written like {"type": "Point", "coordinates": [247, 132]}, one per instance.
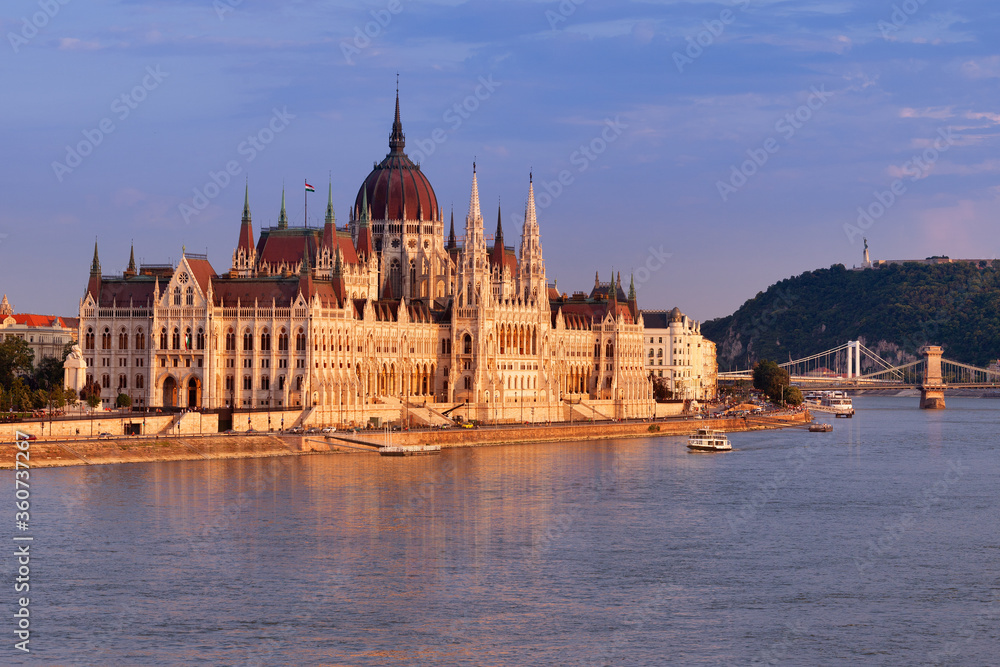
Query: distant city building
{"type": "Point", "coordinates": [46, 335]}
{"type": "Point", "coordinates": [676, 350]}
{"type": "Point", "coordinates": [389, 311]}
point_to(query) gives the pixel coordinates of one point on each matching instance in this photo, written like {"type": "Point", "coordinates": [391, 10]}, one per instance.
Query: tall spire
{"type": "Point", "coordinates": [131, 270]}
{"type": "Point", "coordinates": [474, 211]}
{"type": "Point", "coordinates": [306, 268]}
{"type": "Point", "coordinates": [631, 289]}
{"type": "Point", "coordinates": [282, 217]}
{"type": "Point", "coordinates": [397, 140]}
{"type": "Point", "coordinates": [452, 241]}
{"type": "Point", "coordinates": [5, 307]}
{"type": "Point", "coordinates": [330, 218]}
{"type": "Point", "coordinates": [246, 203]}
{"type": "Point", "coordinates": [364, 206]}
{"type": "Point", "coordinates": [95, 265]}
{"type": "Point", "coordinates": [499, 235]}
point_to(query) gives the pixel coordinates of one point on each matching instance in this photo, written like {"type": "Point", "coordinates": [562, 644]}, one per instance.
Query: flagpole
{"type": "Point", "coordinates": [305, 193]}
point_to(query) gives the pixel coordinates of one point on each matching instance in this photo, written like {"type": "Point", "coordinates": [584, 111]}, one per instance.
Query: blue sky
{"type": "Point", "coordinates": [739, 138]}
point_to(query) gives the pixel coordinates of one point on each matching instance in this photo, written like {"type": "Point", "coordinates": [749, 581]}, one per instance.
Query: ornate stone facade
{"type": "Point", "coordinates": [384, 314]}
{"type": "Point", "coordinates": [676, 351]}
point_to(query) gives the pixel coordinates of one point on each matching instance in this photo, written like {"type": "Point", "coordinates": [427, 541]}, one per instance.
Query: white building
{"type": "Point", "coordinates": [676, 351]}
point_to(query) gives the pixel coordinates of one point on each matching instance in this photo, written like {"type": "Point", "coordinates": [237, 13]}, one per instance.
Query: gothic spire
{"type": "Point", "coordinates": [452, 241]}
{"type": "Point", "coordinates": [499, 235]}
{"type": "Point", "coordinates": [631, 289]}
{"type": "Point", "coordinates": [131, 270]}
{"type": "Point", "coordinates": [95, 265]}
{"type": "Point", "coordinates": [474, 211]}
{"type": "Point", "coordinates": [397, 140]}
{"type": "Point", "coordinates": [306, 268]}
{"type": "Point", "coordinates": [282, 217]}
{"type": "Point", "coordinates": [330, 218]}
{"type": "Point", "coordinates": [364, 206]}
{"type": "Point", "coordinates": [246, 203]}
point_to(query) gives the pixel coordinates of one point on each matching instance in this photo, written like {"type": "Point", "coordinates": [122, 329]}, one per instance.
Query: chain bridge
{"type": "Point", "coordinates": [854, 366]}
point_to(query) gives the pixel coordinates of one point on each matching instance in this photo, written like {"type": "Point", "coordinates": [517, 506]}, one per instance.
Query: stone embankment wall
{"type": "Point", "coordinates": [91, 451]}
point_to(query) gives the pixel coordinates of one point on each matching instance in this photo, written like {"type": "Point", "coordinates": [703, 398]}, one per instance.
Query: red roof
{"type": "Point", "coordinates": [32, 320]}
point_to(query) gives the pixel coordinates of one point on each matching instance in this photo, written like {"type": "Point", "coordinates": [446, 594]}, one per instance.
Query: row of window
{"type": "Point", "coordinates": [265, 383]}
{"type": "Point", "coordinates": [140, 381]}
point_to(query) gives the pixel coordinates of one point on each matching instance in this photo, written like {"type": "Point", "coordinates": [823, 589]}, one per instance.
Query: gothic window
{"type": "Point", "coordinates": [468, 344]}
{"type": "Point", "coordinates": [123, 340]}
{"type": "Point", "coordinates": [247, 383]}
{"type": "Point", "coordinates": [413, 278]}
{"type": "Point", "coordinates": [298, 383]}
{"type": "Point", "coordinates": [395, 278]}
{"type": "Point", "coordinates": [187, 339]}
{"type": "Point", "coordinates": [247, 341]}
{"type": "Point", "coordinates": [140, 340]}
{"type": "Point", "coordinates": [122, 382]}
{"type": "Point", "coordinates": [88, 339]}
{"type": "Point", "coordinates": [189, 297]}
{"type": "Point", "coordinates": [300, 341]}
{"type": "Point", "coordinates": [106, 381]}
{"type": "Point", "coordinates": [106, 339]}
{"type": "Point", "coordinates": [283, 341]}
{"type": "Point", "coordinates": [265, 383]}
{"type": "Point", "coordinates": [230, 340]}
{"type": "Point", "coordinates": [265, 341]}
{"type": "Point", "coordinates": [230, 383]}
{"type": "Point", "coordinates": [176, 339]}
{"type": "Point", "coordinates": [281, 383]}
{"type": "Point", "coordinates": [177, 296]}
{"type": "Point", "coordinates": [467, 382]}
{"type": "Point", "coordinates": [140, 382]}
{"type": "Point", "coordinates": [163, 338]}
{"type": "Point", "coordinates": [201, 339]}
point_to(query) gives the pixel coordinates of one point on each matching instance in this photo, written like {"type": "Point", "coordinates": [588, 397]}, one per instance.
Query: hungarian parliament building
{"type": "Point", "coordinates": [388, 315]}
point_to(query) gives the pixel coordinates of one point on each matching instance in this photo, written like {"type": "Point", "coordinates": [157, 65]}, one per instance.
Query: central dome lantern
{"type": "Point", "coordinates": [396, 189]}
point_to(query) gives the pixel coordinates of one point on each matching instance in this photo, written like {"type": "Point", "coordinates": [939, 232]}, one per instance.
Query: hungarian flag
{"type": "Point", "coordinates": [310, 188]}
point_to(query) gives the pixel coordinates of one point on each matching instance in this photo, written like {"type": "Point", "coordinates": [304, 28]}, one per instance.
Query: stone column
{"type": "Point", "coordinates": [932, 389]}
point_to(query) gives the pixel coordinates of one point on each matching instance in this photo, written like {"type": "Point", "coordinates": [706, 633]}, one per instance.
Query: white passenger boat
{"type": "Point", "coordinates": [409, 450]}
{"type": "Point", "coordinates": [707, 440]}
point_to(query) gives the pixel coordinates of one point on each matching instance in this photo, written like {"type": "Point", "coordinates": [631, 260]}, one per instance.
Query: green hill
{"type": "Point", "coordinates": [892, 310]}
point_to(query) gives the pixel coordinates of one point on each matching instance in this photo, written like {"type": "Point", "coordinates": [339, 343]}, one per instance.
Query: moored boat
{"type": "Point", "coordinates": [409, 450]}
{"type": "Point", "coordinates": [820, 428]}
{"type": "Point", "coordinates": [707, 440]}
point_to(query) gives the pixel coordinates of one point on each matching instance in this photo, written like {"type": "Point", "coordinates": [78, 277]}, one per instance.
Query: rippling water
{"type": "Point", "coordinates": [874, 544]}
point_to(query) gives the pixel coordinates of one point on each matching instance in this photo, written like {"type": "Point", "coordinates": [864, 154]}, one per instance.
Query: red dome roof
{"type": "Point", "coordinates": [396, 188]}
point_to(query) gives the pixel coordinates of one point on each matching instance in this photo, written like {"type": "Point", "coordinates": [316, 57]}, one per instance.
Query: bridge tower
{"type": "Point", "coordinates": [932, 389]}
{"type": "Point", "coordinates": [853, 359]}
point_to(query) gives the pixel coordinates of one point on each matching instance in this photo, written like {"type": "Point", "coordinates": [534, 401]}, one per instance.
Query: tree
{"type": "Point", "coordinates": [49, 373]}
{"type": "Point", "coordinates": [661, 389]}
{"type": "Point", "coordinates": [70, 395]}
{"type": "Point", "coordinates": [123, 401]}
{"type": "Point", "coordinates": [770, 378]}
{"type": "Point", "coordinates": [93, 400]}
{"type": "Point", "coordinates": [793, 396]}
{"type": "Point", "coordinates": [15, 359]}
{"type": "Point", "coordinates": [91, 393]}
{"type": "Point", "coordinates": [20, 397]}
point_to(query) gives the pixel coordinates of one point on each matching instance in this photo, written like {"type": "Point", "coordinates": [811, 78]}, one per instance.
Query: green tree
{"type": "Point", "coordinates": [49, 373]}
{"type": "Point", "coordinates": [93, 400]}
{"type": "Point", "coordinates": [793, 396]}
{"type": "Point", "coordinates": [15, 359]}
{"type": "Point", "coordinates": [70, 395]}
{"type": "Point", "coordinates": [770, 378]}
{"type": "Point", "coordinates": [123, 401]}
{"type": "Point", "coordinates": [20, 398]}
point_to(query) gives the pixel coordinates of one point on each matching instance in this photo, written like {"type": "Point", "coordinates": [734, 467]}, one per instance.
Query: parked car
{"type": "Point", "coordinates": [330, 429]}
{"type": "Point", "coordinates": [104, 435]}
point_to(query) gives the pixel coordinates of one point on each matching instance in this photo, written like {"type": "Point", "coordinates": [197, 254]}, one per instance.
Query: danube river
{"type": "Point", "coordinates": [877, 543]}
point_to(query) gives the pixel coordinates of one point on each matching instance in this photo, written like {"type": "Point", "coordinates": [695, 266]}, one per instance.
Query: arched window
{"type": "Point", "coordinates": [122, 382]}
{"type": "Point", "coordinates": [467, 345]}
{"type": "Point", "coordinates": [140, 382]}
{"type": "Point", "coordinates": [177, 296]}
{"type": "Point", "coordinates": [189, 297]}
{"type": "Point", "coordinates": [265, 341]}
{"type": "Point", "coordinates": [122, 340]}
{"type": "Point", "coordinates": [163, 338]}
{"type": "Point", "coordinates": [467, 382]}
{"type": "Point", "coordinates": [395, 278]}
{"type": "Point", "coordinates": [298, 383]}
{"type": "Point", "coordinates": [106, 381]}
{"type": "Point", "coordinates": [413, 278]}
{"type": "Point", "coordinates": [88, 339]}
{"type": "Point", "coordinates": [230, 340]}
{"type": "Point", "coordinates": [201, 338]}
{"type": "Point", "coordinates": [265, 383]}
{"type": "Point", "coordinates": [300, 341]}
{"type": "Point", "coordinates": [176, 339]}
{"type": "Point", "coordinates": [106, 339]}
{"type": "Point", "coordinates": [283, 341]}
{"type": "Point", "coordinates": [247, 341]}
{"type": "Point", "coordinates": [281, 383]}
{"type": "Point", "coordinates": [140, 340]}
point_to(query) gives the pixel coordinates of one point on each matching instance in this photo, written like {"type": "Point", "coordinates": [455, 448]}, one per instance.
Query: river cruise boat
{"type": "Point", "coordinates": [820, 428]}
{"type": "Point", "coordinates": [707, 440]}
{"type": "Point", "coordinates": [837, 403]}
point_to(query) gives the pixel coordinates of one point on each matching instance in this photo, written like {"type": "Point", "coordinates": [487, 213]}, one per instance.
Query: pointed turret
{"type": "Point", "coordinates": [305, 268]}
{"type": "Point", "coordinates": [532, 268]}
{"type": "Point", "coordinates": [245, 255]}
{"type": "Point", "coordinates": [329, 227]}
{"type": "Point", "coordinates": [633, 305]}
{"type": "Point", "coordinates": [452, 241]}
{"type": "Point", "coordinates": [330, 217]}
{"type": "Point", "coordinates": [474, 211]}
{"type": "Point", "coordinates": [631, 289]}
{"type": "Point", "coordinates": [496, 257]}
{"type": "Point", "coordinates": [339, 288]}
{"type": "Point", "coordinates": [597, 279]}
{"type": "Point", "coordinates": [364, 243]}
{"type": "Point", "coordinates": [5, 308]}
{"type": "Point", "coordinates": [95, 264]}
{"type": "Point", "coordinates": [282, 217]}
{"type": "Point", "coordinates": [131, 270]}
{"type": "Point", "coordinates": [397, 140]}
